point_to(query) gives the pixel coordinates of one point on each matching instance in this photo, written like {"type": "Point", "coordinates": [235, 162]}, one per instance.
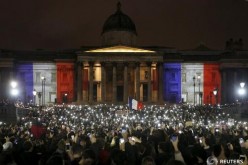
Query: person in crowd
{"type": "Point", "coordinates": [61, 152]}
{"type": "Point", "coordinates": [76, 154]}
{"type": "Point", "coordinates": [6, 155]}
{"type": "Point", "coordinates": [165, 152]}
{"type": "Point", "coordinates": [29, 156]}
{"type": "Point", "coordinates": [175, 162]}
{"type": "Point", "coordinates": [97, 135]}
{"type": "Point", "coordinates": [148, 160]}
{"type": "Point", "coordinates": [88, 157]}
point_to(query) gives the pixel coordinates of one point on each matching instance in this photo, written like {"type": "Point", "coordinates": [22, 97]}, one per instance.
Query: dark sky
{"type": "Point", "coordinates": [65, 24]}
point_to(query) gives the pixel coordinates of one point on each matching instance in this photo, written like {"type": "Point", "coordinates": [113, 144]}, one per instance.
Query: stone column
{"type": "Point", "coordinates": [137, 80]}
{"type": "Point", "coordinates": [91, 82]}
{"type": "Point", "coordinates": [236, 78]}
{"type": "Point", "coordinates": [223, 87]}
{"type": "Point", "coordinates": [114, 82]}
{"type": "Point", "coordinates": [79, 81]}
{"type": "Point", "coordinates": [149, 92]}
{"type": "Point", "coordinates": [160, 82]}
{"type": "Point", "coordinates": [235, 84]}
{"type": "Point", "coordinates": [125, 82]}
{"type": "Point", "coordinates": [103, 82]}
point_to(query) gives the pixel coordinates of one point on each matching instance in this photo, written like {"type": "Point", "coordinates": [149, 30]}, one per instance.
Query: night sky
{"type": "Point", "coordinates": [69, 24]}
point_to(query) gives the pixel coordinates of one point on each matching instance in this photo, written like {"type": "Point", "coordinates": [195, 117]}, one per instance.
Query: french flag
{"type": "Point", "coordinates": [134, 104]}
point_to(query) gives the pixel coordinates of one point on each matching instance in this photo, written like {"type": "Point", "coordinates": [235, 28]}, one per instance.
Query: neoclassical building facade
{"type": "Point", "coordinates": [119, 69]}
{"type": "Point", "coordinates": [117, 72]}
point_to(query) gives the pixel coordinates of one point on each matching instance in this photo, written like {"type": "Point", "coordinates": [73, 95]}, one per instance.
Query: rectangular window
{"type": "Point", "coordinates": [53, 77]}
{"type": "Point", "coordinates": [184, 77]}
{"type": "Point", "coordinates": [52, 97]}
{"type": "Point", "coordinates": [173, 87]}
{"type": "Point", "coordinates": [213, 76]}
{"type": "Point", "coordinates": [64, 77]}
{"type": "Point", "coordinates": [184, 97]}
{"type": "Point", "coordinates": [173, 76]}
{"type": "Point", "coordinates": [37, 77]}
{"type": "Point", "coordinates": [146, 75]}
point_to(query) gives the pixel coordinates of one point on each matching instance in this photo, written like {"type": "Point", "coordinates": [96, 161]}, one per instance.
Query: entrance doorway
{"type": "Point", "coordinates": [145, 92]}
{"type": "Point", "coordinates": [173, 97]}
{"type": "Point", "coordinates": [94, 92]}
{"type": "Point", "coordinates": [119, 93]}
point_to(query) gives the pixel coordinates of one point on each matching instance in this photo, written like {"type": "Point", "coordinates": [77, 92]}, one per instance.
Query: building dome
{"type": "Point", "coordinates": [119, 22]}
{"type": "Point", "coordinates": [119, 29]}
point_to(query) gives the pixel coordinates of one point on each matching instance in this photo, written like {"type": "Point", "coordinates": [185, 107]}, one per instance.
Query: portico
{"type": "Point", "coordinates": [113, 74]}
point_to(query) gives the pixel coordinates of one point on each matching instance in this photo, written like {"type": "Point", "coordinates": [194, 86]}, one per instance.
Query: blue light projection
{"type": "Point", "coordinates": [24, 76]}
{"type": "Point", "coordinates": [172, 82]}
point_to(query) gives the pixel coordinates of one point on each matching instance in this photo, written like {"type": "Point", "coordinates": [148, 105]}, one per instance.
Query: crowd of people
{"type": "Point", "coordinates": [4, 105]}
{"type": "Point", "coordinates": [115, 135]}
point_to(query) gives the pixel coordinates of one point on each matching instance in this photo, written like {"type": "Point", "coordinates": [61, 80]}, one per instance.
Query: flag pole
{"type": "Point", "coordinates": [128, 107]}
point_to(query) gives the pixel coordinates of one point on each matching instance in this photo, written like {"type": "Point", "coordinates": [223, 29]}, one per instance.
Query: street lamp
{"type": "Point", "coordinates": [14, 91]}
{"type": "Point", "coordinates": [194, 88]}
{"type": "Point", "coordinates": [210, 95]}
{"type": "Point", "coordinates": [215, 92]}
{"type": "Point", "coordinates": [199, 83]}
{"type": "Point", "coordinates": [242, 91]}
{"type": "Point", "coordinates": [39, 96]}
{"type": "Point", "coordinates": [13, 84]}
{"type": "Point", "coordinates": [200, 94]}
{"type": "Point", "coordinates": [34, 94]}
{"type": "Point", "coordinates": [65, 98]}
{"type": "Point", "coordinates": [242, 84]}
{"type": "Point", "coordinates": [43, 80]}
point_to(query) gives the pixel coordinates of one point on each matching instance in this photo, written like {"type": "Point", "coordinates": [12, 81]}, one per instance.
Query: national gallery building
{"type": "Point", "coordinates": [119, 69]}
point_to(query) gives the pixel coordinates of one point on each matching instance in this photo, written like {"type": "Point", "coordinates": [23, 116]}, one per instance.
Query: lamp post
{"type": "Point", "coordinates": [242, 84]}
{"type": "Point", "coordinates": [194, 88]}
{"type": "Point", "coordinates": [43, 80]}
{"type": "Point", "coordinates": [34, 94]}
{"type": "Point", "coordinates": [199, 83]}
{"type": "Point", "coordinates": [65, 98]}
{"type": "Point", "coordinates": [210, 95]}
{"type": "Point", "coordinates": [215, 92]}
{"type": "Point", "coordinates": [200, 94]}
{"type": "Point", "coordinates": [13, 84]}
{"type": "Point", "coordinates": [242, 90]}
{"type": "Point", "coordinates": [39, 96]}
{"type": "Point", "coordinates": [14, 91]}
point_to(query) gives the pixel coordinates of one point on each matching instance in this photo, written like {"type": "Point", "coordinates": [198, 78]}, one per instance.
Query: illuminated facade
{"type": "Point", "coordinates": [119, 68]}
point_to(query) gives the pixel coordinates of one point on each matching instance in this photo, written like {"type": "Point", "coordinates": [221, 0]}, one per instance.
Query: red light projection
{"type": "Point", "coordinates": [65, 82]}
{"type": "Point", "coordinates": [212, 80]}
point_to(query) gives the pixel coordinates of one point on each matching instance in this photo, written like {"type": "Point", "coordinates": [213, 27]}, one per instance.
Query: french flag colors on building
{"type": "Point", "coordinates": [134, 104]}
{"type": "Point", "coordinates": [177, 82]}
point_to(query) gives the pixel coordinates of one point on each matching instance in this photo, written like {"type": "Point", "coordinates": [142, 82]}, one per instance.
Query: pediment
{"type": "Point", "coordinates": [120, 49]}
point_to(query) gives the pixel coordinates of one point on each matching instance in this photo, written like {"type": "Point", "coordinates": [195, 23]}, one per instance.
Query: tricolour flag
{"type": "Point", "coordinates": [134, 104]}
